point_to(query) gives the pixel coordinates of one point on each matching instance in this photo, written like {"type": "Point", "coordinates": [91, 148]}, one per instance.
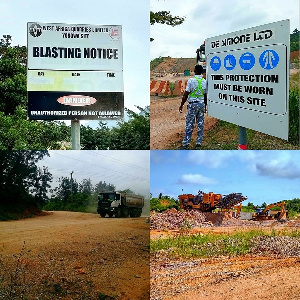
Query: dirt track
{"type": "Point", "coordinates": [167, 124]}
{"type": "Point", "coordinates": [75, 256]}
{"type": "Point", "coordinates": [252, 276]}
{"type": "Point", "coordinates": [225, 278]}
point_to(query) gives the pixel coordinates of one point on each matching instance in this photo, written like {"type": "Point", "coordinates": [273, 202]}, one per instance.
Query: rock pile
{"type": "Point", "coordinates": [173, 219]}
{"type": "Point", "coordinates": [279, 246]}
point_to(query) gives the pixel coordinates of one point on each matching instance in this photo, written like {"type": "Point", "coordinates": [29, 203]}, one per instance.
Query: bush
{"type": "Point", "coordinates": [163, 204]}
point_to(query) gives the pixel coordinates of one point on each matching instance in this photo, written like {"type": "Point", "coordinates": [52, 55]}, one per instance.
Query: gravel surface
{"type": "Point", "coordinates": [279, 246]}
{"type": "Point", "coordinates": [70, 255]}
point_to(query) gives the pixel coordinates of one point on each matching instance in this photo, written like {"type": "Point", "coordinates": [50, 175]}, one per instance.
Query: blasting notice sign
{"type": "Point", "coordinates": [248, 78]}
{"type": "Point", "coordinates": [75, 71]}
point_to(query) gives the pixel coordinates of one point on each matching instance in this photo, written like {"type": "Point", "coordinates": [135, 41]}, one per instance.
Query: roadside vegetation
{"type": "Point", "coordinates": [25, 188]}
{"type": "Point", "coordinates": [73, 196]}
{"type": "Point", "coordinates": [163, 203]}
{"type": "Point", "coordinates": [215, 245]}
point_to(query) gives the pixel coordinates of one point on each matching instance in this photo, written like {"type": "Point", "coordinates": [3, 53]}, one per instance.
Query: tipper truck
{"type": "Point", "coordinates": [119, 204]}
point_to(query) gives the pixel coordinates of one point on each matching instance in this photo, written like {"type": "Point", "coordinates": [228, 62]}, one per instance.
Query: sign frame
{"type": "Point", "coordinates": [75, 71]}
{"type": "Point", "coordinates": [247, 84]}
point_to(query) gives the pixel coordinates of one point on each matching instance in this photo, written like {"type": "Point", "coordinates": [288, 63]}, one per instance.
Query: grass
{"type": "Point", "coordinates": [225, 135]}
{"type": "Point", "coordinates": [211, 245]}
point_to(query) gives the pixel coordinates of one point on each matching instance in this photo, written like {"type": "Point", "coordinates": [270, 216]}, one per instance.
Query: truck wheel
{"type": "Point", "coordinates": [103, 214]}
{"type": "Point", "coordinates": [110, 214]}
{"type": "Point", "coordinates": [132, 212]}
{"type": "Point", "coordinates": [125, 213]}
{"type": "Point", "coordinates": [118, 213]}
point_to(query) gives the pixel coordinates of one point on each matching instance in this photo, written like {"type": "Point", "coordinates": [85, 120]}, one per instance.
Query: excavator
{"type": "Point", "coordinates": [238, 210]}
{"type": "Point", "coordinates": [207, 202]}
{"type": "Point", "coordinates": [264, 214]}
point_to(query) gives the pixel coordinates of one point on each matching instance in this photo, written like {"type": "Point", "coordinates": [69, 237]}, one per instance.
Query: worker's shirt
{"type": "Point", "coordinates": [192, 85]}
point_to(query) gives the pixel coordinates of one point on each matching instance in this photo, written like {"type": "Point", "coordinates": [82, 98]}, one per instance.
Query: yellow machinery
{"type": "Point", "coordinates": [264, 214]}
{"type": "Point", "coordinates": [238, 210]}
{"type": "Point", "coordinates": [210, 201]}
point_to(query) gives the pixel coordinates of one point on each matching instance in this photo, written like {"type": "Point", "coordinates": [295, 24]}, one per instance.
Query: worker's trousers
{"type": "Point", "coordinates": [195, 111]}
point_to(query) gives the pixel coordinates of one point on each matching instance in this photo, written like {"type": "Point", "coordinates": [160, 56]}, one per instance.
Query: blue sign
{"type": "Point", "coordinates": [247, 61]}
{"type": "Point", "coordinates": [229, 62]}
{"type": "Point", "coordinates": [215, 63]}
{"type": "Point", "coordinates": [269, 59]}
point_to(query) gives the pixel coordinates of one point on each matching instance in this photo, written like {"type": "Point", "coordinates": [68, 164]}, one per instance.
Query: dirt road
{"type": "Point", "coordinates": [256, 275]}
{"type": "Point", "coordinates": [167, 124]}
{"type": "Point", "coordinates": [225, 278]}
{"type": "Point", "coordinates": [74, 256]}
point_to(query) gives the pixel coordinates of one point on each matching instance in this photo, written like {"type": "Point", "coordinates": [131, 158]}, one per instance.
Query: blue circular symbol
{"type": "Point", "coordinates": [269, 59]}
{"type": "Point", "coordinates": [229, 62]}
{"type": "Point", "coordinates": [247, 61]}
{"type": "Point", "coordinates": [215, 63]}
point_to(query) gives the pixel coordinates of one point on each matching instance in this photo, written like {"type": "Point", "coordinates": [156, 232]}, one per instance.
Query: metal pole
{"type": "Point", "coordinates": [75, 134]}
{"type": "Point", "coordinates": [72, 186]}
{"type": "Point", "coordinates": [242, 138]}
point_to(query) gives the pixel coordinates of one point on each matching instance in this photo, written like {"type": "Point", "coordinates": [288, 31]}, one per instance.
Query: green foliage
{"type": "Point", "coordinates": [211, 245]}
{"type": "Point", "coordinates": [155, 62]}
{"type": "Point", "coordinates": [172, 88]}
{"type": "Point", "coordinates": [23, 184]}
{"type": "Point", "coordinates": [13, 90]}
{"type": "Point", "coordinates": [74, 196]}
{"type": "Point", "coordinates": [163, 204]}
{"type": "Point", "coordinates": [294, 108]}
{"type": "Point", "coordinates": [18, 133]}
{"type": "Point", "coordinates": [164, 17]}
{"type": "Point", "coordinates": [133, 134]}
{"type": "Point", "coordinates": [295, 40]}
{"type": "Point", "coordinates": [293, 205]}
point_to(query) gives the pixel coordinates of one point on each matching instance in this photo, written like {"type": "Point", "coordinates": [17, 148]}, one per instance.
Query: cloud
{"type": "Point", "coordinates": [277, 169]}
{"type": "Point", "coordinates": [196, 179]}
{"type": "Point", "coordinates": [274, 164]}
{"type": "Point", "coordinates": [210, 159]}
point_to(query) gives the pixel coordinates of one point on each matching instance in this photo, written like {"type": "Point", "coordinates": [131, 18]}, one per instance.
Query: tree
{"type": "Point", "coordinates": [66, 188]}
{"type": "Point", "coordinates": [165, 17]}
{"type": "Point", "coordinates": [103, 186]}
{"type": "Point", "coordinates": [22, 181]}
{"type": "Point", "coordinates": [264, 205]}
{"type": "Point", "coordinates": [295, 40]}
{"type": "Point", "coordinates": [16, 131]}
{"type": "Point", "coordinates": [5, 41]}
{"type": "Point", "coordinates": [130, 135]}
{"type": "Point", "coordinates": [86, 187]}
{"type": "Point", "coordinates": [13, 85]}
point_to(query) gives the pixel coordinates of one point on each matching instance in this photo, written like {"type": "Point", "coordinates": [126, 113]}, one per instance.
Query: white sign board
{"type": "Point", "coordinates": [248, 77]}
{"type": "Point", "coordinates": [75, 71]}
{"type": "Point", "coordinates": [74, 47]}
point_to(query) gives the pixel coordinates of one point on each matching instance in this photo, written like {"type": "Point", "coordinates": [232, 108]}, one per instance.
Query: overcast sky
{"type": "Point", "coordinates": [262, 176]}
{"type": "Point", "coordinates": [205, 19]}
{"type": "Point", "coordinates": [133, 15]}
{"type": "Point", "coordinates": [125, 169]}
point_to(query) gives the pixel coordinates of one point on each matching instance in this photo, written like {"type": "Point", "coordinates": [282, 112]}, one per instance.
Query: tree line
{"type": "Point", "coordinates": [25, 187]}
{"type": "Point", "coordinates": [164, 202]}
